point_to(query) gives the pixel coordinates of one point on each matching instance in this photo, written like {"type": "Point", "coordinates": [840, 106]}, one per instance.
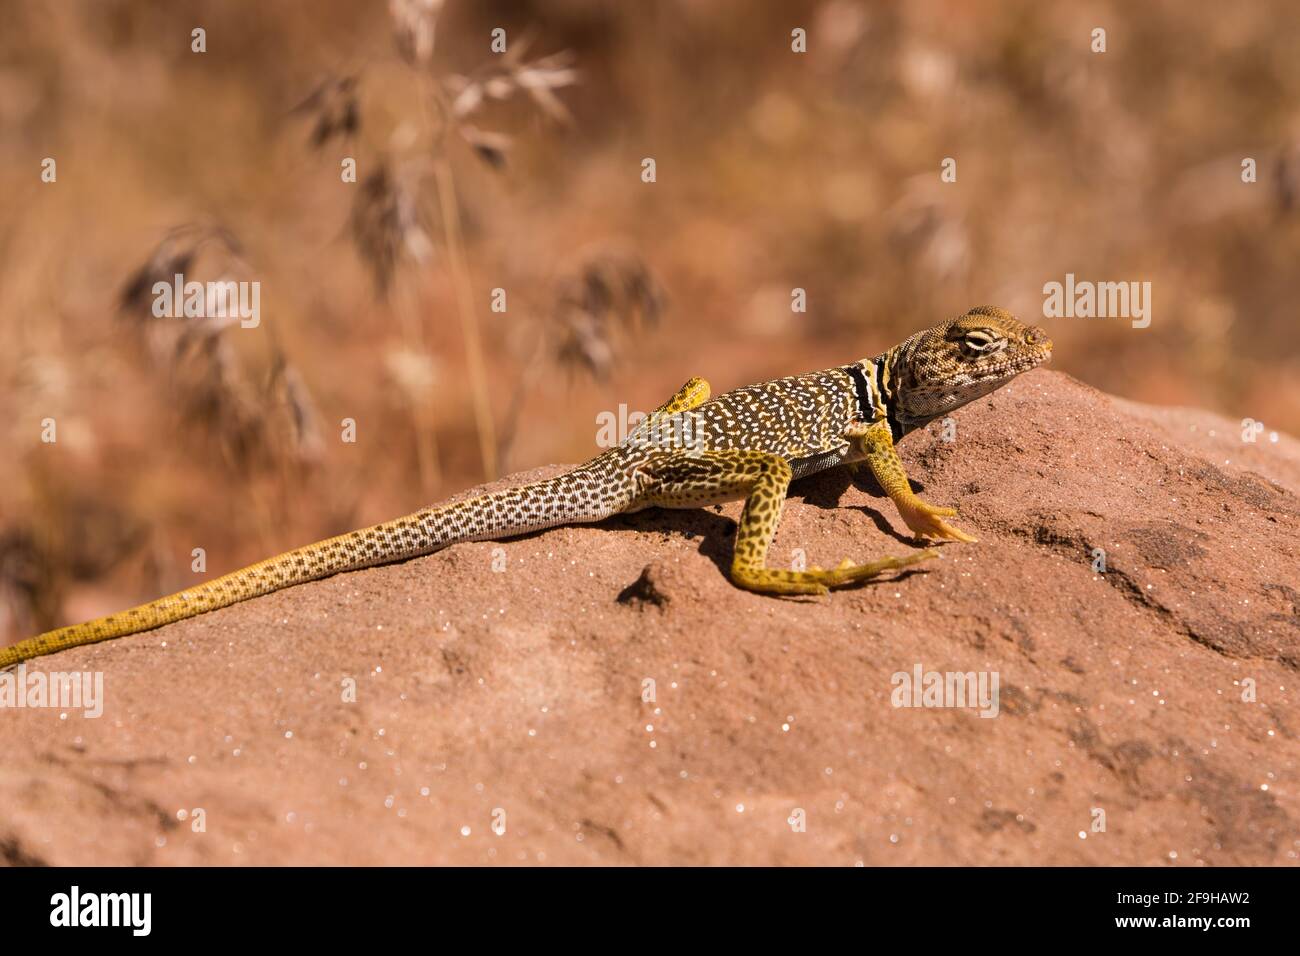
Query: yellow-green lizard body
{"type": "Point", "coordinates": [693, 451]}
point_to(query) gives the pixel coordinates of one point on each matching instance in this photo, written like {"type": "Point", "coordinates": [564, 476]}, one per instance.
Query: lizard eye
{"type": "Point", "coordinates": [979, 341]}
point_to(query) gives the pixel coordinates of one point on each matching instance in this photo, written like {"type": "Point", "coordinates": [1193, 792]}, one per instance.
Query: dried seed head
{"type": "Point", "coordinates": [386, 222]}
{"type": "Point", "coordinates": [215, 400]}
{"type": "Point", "coordinates": [508, 75]}
{"type": "Point", "coordinates": [414, 25]}
{"type": "Point", "coordinates": [291, 397]}
{"type": "Point", "coordinates": [206, 381]}
{"type": "Point", "coordinates": [612, 293]}
{"type": "Point", "coordinates": [1287, 184]}
{"type": "Point", "coordinates": [488, 146]}
{"type": "Point", "coordinates": [178, 252]}
{"type": "Point", "coordinates": [335, 109]}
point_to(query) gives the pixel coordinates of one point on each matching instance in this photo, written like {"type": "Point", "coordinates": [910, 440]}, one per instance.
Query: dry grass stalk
{"type": "Point", "coordinates": [386, 223]}
{"type": "Point", "coordinates": [387, 227]}
{"type": "Point", "coordinates": [457, 99]}
{"type": "Point", "coordinates": [468, 317]}
{"type": "Point", "coordinates": [414, 376]}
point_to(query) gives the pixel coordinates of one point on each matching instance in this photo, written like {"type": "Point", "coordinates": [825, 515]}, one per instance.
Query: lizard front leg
{"type": "Point", "coordinates": [689, 481]}
{"type": "Point", "coordinates": [925, 520]}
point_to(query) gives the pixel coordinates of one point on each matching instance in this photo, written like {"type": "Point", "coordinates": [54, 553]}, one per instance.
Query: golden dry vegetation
{"type": "Point", "coordinates": [479, 171]}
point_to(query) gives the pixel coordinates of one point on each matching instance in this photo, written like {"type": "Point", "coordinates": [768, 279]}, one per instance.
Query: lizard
{"type": "Point", "coordinates": [693, 451]}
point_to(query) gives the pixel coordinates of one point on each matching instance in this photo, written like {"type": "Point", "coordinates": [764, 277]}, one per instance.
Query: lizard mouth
{"type": "Point", "coordinates": [1015, 366]}
{"type": "Point", "coordinates": [1041, 355]}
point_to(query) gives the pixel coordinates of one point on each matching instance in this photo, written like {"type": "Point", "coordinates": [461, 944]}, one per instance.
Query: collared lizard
{"type": "Point", "coordinates": [692, 451]}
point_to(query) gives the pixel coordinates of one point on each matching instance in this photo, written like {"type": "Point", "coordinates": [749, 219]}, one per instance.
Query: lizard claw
{"type": "Point", "coordinates": [926, 521]}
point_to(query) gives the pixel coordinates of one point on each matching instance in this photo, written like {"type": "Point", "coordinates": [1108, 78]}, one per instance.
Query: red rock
{"type": "Point", "coordinates": [521, 690]}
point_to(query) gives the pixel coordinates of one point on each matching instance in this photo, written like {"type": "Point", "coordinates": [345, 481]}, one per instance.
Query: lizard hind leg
{"type": "Point", "coordinates": [762, 479]}
{"type": "Point", "coordinates": [665, 425]}
{"type": "Point", "coordinates": [691, 395]}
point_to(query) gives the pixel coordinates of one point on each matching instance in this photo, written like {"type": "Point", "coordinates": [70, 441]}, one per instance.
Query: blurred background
{"type": "Point", "coordinates": [500, 274]}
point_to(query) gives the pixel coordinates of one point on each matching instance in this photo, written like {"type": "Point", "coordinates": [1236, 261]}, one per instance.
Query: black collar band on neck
{"type": "Point", "coordinates": [866, 392]}
{"type": "Point", "coordinates": [866, 407]}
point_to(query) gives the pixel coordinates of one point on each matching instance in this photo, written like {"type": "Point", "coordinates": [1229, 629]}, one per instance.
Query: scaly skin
{"type": "Point", "coordinates": [747, 444]}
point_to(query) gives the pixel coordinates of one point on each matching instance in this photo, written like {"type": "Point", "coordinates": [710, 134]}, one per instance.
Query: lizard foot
{"type": "Point", "coordinates": [926, 521]}
{"type": "Point", "coordinates": [818, 580]}
{"type": "Point", "coordinates": [847, 572]}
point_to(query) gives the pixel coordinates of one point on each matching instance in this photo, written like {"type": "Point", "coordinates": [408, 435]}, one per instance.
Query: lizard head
{"type": "Point", "coordinates": [942, 368]}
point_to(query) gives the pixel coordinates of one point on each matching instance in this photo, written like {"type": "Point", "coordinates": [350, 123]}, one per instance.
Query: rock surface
{"type": "Point", "coordinates": [504, 682]}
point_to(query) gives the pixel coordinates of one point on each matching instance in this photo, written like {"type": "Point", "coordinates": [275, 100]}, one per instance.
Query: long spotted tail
{"type": "Point", "coordinates": [501, 514]}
